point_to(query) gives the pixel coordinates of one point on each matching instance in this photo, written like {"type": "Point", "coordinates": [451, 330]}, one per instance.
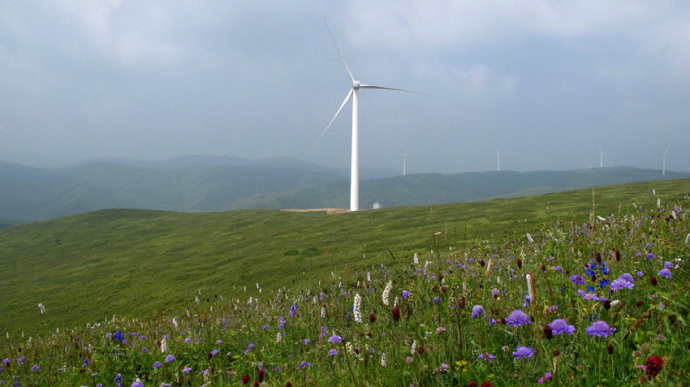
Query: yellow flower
{"type": "Point", "coordinates": [584, 309]}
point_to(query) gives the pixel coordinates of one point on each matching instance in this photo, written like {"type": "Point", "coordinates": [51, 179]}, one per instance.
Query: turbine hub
{"type": "Point", "coordinates": [355, 84]}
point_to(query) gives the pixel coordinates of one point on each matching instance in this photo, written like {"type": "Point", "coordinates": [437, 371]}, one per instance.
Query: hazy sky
{"type": "Point", "coordinates": [548, 83]}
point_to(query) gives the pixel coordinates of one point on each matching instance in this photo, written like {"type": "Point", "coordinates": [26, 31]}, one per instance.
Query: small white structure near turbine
{"type": "Point", "coordinates": [354, 93]}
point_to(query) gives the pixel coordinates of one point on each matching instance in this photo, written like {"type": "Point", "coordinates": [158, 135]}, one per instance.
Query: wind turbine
{"type": "Point", "coordinates": [663, 168]}
{"type": "Point", "coordinates": [498, 160]}
{"type": "Point", "coordinates": [602, 156]}
{"type": "Point", "coordinates": [405, 162]}
{"type": "Point", "coordinates": [354, 93]}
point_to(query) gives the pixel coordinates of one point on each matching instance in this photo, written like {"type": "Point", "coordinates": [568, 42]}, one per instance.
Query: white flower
{"type": "Point", "coordinates": [174, 321]}
{"type": "Point", "coordinates": [368, 277]}
{"type": "Point", "coordinates": [383, 360]}
{"type": "Point", "coordinates": [529, 238]}
{"type": "Point", "coordinates": [279, 338]}
{"type": "Point", "coordinates": [42, 308]}
{"type": "Point", "coordinates": [164, 345]}
{"type": "Point", "coordinates": [196, 299]}
{"type": "Point", "coordinates": [386, 291]}
{"type": "Point", "coordinates": [530, 289]}
{"type": "Point", "coordinates": [323, 312]}
{"type": "Point", "coordinates": [355, 309]}
{"type": "Point", "coordinates": [413, 349]}
{"type": "Point", "coordinates": [416, 259]}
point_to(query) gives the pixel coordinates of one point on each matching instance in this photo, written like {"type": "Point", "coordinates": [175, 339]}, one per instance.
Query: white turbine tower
{"type": "Point", "coordinates": [663, 169]}
{"type": "Point", "coordinates": [602, 156]}
{"type": "Point", "coordinates": [498, 161]}
{"type": "Point", "coordinates": [405, 162]}
{"type": "Point", "coordinates": [354, 93]}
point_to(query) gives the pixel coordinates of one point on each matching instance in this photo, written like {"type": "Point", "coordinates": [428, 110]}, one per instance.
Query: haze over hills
{"type": "Point", "coordinates": [203, 183]}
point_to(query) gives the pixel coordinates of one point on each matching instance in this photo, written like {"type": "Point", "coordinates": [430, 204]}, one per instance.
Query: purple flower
{"type": "Point", "coordinates": [214, 352]}
{"type": "Point", "coordinates": [138, 384]}
{"type": "Point", "coordinates": [408, 360]}
{"type": "Point", "coordinates": [21, 360]}
{"type": "Point", "coordinates": [305, 342]}
{"type": "Point", "coordinates": [577, 279]}
{"type": "Point", "coordinates": [600, 329]}
{"type": "Point", "coordinates": [186, 370]}
{"type": "Point", "coordinates": [265, 327]}
{"type": "Point", "coordinates": [35, 368]}
{"type": "Point", "coordinates": [640, 274]}
{"type": "Point", "coordinates": [627, 277]}
{"type": "Point", "coordinates": [494, 292]}
{"type": "Point", "coordinates": [436, 300]}
{"type": "Point", "coordinates": [157, 364]}
{"type": "Point", "coordinates": [477, 310]}
{"type": "Point", "coordinates": [486, 356]}
{"type": "Point", "coordinates": [406, 294]}
{"type": "Point", "coordinates": [333, 352]}
{"type": "Point", "coordinates": [668, 265]}
{"type": "Point", "coordinates": [665, 273]}
{"type": "Point", "coordinates": [219, 342]}
{"type": "Point", "coordinates": [169, 358]}
{"type": "Point", "coordinates": [559, 326]}
{"type": "Point", "coordinates": [523, 352]}
{"type": "Point", "coordinates": [335, 339]}
{"type": "Point", "coordinates": [303, 364]}
{"type": "Point", "coordinates": [621, 283]}
{"type": "Point", "coordinates": [518, 318]}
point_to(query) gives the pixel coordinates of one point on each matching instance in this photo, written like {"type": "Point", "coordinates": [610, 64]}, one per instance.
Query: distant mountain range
{"type": "Point", "coordinates": [224, 183]}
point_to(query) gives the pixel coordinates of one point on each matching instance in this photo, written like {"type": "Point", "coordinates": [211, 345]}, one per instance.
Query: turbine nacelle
{"type": "Point", "coordinates": [356, 84]}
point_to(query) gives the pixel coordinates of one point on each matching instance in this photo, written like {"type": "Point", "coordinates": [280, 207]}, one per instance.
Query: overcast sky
{"type": "Point", "coordinates": [547, 83]}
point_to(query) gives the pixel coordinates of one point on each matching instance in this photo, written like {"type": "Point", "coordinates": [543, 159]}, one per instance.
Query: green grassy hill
{"type": "Point", "coordinates": [461, 187]}
{"type": "Point", "coordinates": [88, 267]}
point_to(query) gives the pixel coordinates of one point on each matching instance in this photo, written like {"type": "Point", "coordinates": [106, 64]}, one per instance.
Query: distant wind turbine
{"type": "Point", "coordinates": [663, 165]}
{"type": "Point", "coordinates": [405, 162]}
{"type": "Point", "coordinates": [354, 93]}
{"type": "Point", "coordinates": [602, 156]}
{"type": "Point", "coordinates": [498, 160]}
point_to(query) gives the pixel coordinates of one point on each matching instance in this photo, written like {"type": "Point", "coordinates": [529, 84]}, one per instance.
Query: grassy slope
{"type": "Point", "coordinates": [139, 263]}
{"type": "Point", "coordinates": [428, 188]}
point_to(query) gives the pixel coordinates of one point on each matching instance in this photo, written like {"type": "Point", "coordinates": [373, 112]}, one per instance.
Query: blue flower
{"type": "Point", "coordinates": [477, 310]}
{"type": "Point", "coordinates": [518, 318]}
{"type": "Point", "coordinates": [665, 273]}
{"type": "Point", "coordinates": [523, 352]}
{"type": "Point", "coordinates": [600, 329]}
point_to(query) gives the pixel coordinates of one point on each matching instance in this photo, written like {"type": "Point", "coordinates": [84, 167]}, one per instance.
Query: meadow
{"type": "Point", "coordinates": [557, 289]}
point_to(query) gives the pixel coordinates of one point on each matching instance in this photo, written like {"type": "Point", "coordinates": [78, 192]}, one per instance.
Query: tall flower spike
{"type": "Point", "coordinates": [386, 292]}
{"type": "Point", "coordinates": [356, 308]}
{"type": "Point", "coordinates": [530, 289]}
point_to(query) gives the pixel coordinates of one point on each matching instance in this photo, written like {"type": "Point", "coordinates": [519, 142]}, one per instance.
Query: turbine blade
{"type": "Point", "coordinates": [333, 119]}
{"type": "Point", "coordinates": [340, 54]}
{"type": "Point", "coordinates": [390, 88]}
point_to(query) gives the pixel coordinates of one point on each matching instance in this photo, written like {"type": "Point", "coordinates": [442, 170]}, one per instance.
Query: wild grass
{"type": "Point", "coordinates": [308, 333]}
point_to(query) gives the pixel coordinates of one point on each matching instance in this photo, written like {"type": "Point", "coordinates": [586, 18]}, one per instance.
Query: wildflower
{"type": "Point", "coordinates": [600, 329]}
{"type": "Point", "coordinates": [260, 375]}
{"type": "Point", "coordinates": [523, 352]}
{"type": "Point", "coordinates": [668, 265]}
{"type": "Point", "coordinates": [486, 384]}
{"type": "Point", "coordinates": [477, 310]}
{"type": "Point", "coordinates": [333, 352]}
{"type": "Point", "coordinates": [548, 332]}
{"type": "Point", "coordinates": [405, 295]}
{"type": "Point", "coordinates": [41, 308]}
{"type": "Point", "coordinates": [436, 300]}
{"type": "Point", "coordinates": [386, 292]}
{"type": "Point", "coordinates": [486, 356]}
{"type": "Point", "coordinates": [335, 339]}
{"type": "Point", "coordinates": [157, 364]}
{"type": "Point", "coordinates": [21, 360]}
{"type": "Point", "coordinates": [396, 313]}
{"type": "Point", "coordinates": [547, 376]}
{"type": "Point", "coordinates": [609, 349]}
{"type": "Point", "coordinates": [517, 318]}
{"type": "Point", "coordinates": [408, 360]}
{"type": "Point", "coordinates": [653, 365]}
{"type": "Point", "coordinates": [279, 337]}
{"type": "Point", "coordinates": [169, 358]}
{"type": "Point", "coordinates": [442, 369]}
{"type": "Point", "coordinates": [303, 364]}
{"type": "Point", "coordinates": [530, 288]}
{"type": "Point", "coordinates": [440, 329]}
{"type": "Point", "coordinates": [666, 273]}
{"type": "Point", "coordinates": [472, 384]}
{"type": "Point", "coordinates": [621, 283]}
{"type": "Point", "coordinates": [138, 383]}
{"type": "Point", "coordinates": [35, 368]}
{"type": "Point", "coordinates": [414, 347]}
{"type": "Point", "coordinates": [383, 359]}
{"type": "Point", "coordinates": [245, 379]}
{"type": "Point", "coordinates": [164, 346]}
{"type": "Point", "coordinates": [653, 281]}
{"type": "Point", "coordinates": [186, 370]}
{"type": "Point", "coordinates": [355, 308]}
{"type": "Point", "coordinates": [372, 318]}
{"type": "Point", "coordinates": [305, 342]}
